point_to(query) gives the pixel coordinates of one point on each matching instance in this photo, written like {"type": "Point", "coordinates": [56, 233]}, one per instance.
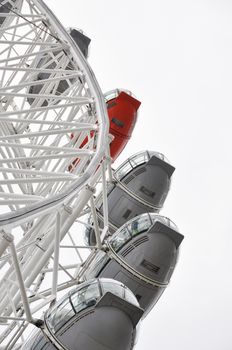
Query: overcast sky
{"type": "Point", "coordinates": [176, 57]}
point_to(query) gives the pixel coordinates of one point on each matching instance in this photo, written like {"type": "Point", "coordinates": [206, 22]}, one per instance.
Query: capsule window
{"type": "Point", "coordinates": [111, 104]}
{"type": "Point", "coordinates": [147, 192]}
{"type": "Point", "coordinates": [118, 122]}
{"type": "Point", "coordinates": [121, 238]}
{"type": "Point", "coordinates": [127, 214]}
{"type": "Point", "coordinates": [149, 266]}
{"type": "Point", "coordinates": [114, 288]}
{"type": "Point", "coordinates": [85, 297]}
{"type": "Point", "coordinates": [60, 315]}
{"type": "Point", "coordinates": [129, 296]}
{"type": "Point", "coordinates": [139, 225]}
{"type": "Point", "coordinates": [36, 342]}
{"type": "Point", "coordinates": [98, 264]}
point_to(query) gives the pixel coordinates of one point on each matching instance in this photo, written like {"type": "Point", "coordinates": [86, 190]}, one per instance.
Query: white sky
{"type": "Point", "coordinates": [176, 56]}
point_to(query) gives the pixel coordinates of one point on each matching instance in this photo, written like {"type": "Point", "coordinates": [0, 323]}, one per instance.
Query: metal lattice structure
{"type": "Point", "coordinates": [53, 153]}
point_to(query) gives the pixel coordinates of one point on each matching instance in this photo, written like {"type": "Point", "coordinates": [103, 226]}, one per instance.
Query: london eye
{"type": "Point", "coordinates": [84, 253]}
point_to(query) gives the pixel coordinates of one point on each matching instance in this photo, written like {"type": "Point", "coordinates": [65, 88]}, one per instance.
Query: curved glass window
{"type": "Point", "coordinates": [136, 160]}
{"type": "Point", "coordinates": [141, 224]}
{"type": "Point", "coordinates": [110, 95]}
{"type": "Point", "coordinates": [85, 297]}
{"type": "Point", "coordinates": [137, 226]}
{"type": "Point", "coordinates": [114, 288]}
{"type": "Point", "coordinates": [122, 237]}
{"type": "Point", "coordinates": [119, 289]}
{"type": "Point", "coordinates": [99, 200]}
{"type": "Point", "coordinates": [130, 297]}
{"type": "Point", "coordinates": [37, 341]}
{"type": "Point", "coordinates": [166, 221]}
{"type": "Point", "coordinates": [132, 228]}
{"type": "Point", "coordinates": [100, 260]}
{"type": "Point", "coordinates": [60, 315]}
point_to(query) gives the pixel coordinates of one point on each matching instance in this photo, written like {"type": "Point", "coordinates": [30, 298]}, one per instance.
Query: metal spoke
{"type": "Point", "coordinates": [53, 147]}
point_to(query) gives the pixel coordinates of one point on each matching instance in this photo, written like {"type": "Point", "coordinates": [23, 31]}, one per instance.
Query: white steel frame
{"type": "Point", "coordinates": [54, 151]}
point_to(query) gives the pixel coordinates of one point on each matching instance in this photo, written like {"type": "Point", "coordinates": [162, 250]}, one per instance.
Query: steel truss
{"type": "Point", "coordinates": [54, 153]}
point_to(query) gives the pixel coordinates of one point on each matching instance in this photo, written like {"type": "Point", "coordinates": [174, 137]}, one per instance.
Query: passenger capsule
{"type": "Point", "coordinates": [141, 185]}
{"type": "Point", "coordinates": [142, 254]}
{"type": "Point", "coordinates": [53, 61]}
{"type": "Point", "coordinates": [81, 40]}
{"type": "Point", "coordinates": [122, 110]}
{"type": "Point", "coordinates": [100, 314]}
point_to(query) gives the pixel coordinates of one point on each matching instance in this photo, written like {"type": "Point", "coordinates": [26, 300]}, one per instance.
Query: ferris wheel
{"type": "Point", "coordinates": [60, 201]}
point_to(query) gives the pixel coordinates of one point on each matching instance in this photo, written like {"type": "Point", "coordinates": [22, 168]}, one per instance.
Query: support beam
{"type": "Point", "coordinates": [56, 255]}
{"type": "Point", "coordinates": [21, 283]}
{"type": "Point", "coordinates": [5, 241]}
{"type": "Point", "coordinates": [104, 194]}
{"type": "Point", "coordinates": [95, 222]}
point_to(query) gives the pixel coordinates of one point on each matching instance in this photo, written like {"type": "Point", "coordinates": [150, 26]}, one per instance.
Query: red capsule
{"type": "Point", "coordinates": [122, 111]}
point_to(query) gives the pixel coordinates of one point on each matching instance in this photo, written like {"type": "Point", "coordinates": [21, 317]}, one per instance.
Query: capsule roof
{"type": "Point", "coordinates": [80, 39]}
{"type": "Point", "coordinates": [84, 296]}
{"type": "Point", "coordinates": [149, 222]}
{"type": "Point", "coordinates": [111, 94]}
{"type": "Point", "coordinates": [136, 160]}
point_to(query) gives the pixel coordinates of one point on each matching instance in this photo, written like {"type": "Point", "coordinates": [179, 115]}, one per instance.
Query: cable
{"type": "Point", "coordinates": [25, 19]}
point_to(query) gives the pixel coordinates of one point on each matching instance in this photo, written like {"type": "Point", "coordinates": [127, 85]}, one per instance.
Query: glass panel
{"type": "Point", "coordinates": [99, 200]}
{"type": "Point", "coordinates": [142, 223]}
{"type": "Point", "coordinates": [131, 163]}
{"type": "Point", "coordinates": [171, 224]}
{"type": "Point", "coordinates": [123, 170]}
{"type": "Point", "coordinates": [130, 297]}
{"type": "Point", "coordinates": [113, 287]}
{"type": "Point", "coordinates": [97, 265]}
{"type": "Point", "coordinates": [135, 160]}
{"type": "Point", "coordinates": [119, 289]}
{"type": "Point", "coordinates": [136, 226]}
{"type": "Point", "coordinates": [139, 159]}
{"type": "Point", "coordinates": [85, 297]}
{"type": "Point", "coordinates": [37, 341]}
{"type": "Point", "coordinates": [110, 95]}
{"type": "Point", "coordinates": [60, 315]}
{"type": "Point", "coordinates": [164, 220]}
{"type": "Point", "coordinates": [120, 238]}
